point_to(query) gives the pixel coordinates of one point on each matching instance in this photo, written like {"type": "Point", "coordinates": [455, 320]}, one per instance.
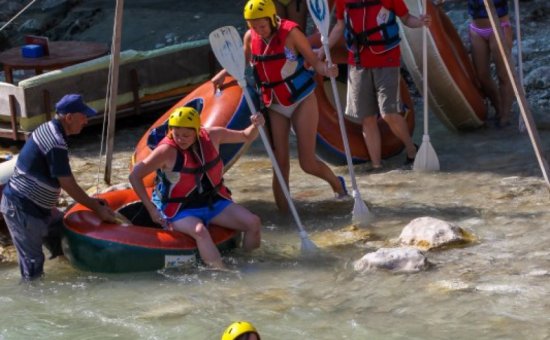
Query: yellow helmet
{"type": "Point", "coordinates": [256, 9]}
{"type": "Point", "coordinates": [237, 329]}
{"type": "Point", "coordinates": [185, 117]}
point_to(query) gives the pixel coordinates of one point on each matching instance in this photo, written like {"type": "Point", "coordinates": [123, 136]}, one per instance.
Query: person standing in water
{"type": "Point", "coordinates": [372, 38]}
{"type": "Point", "coordinates": [190, 193]}
{"type": "Point", "coordinates": [279, 52]}
{"type": "Point", "coordinates": [485, 51]}
{"type": "Point", "coordinates": [41, 171]}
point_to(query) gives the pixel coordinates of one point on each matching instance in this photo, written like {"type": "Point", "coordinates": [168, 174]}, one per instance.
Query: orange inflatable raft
{"type": "Point", "coordinates": [140, 245]}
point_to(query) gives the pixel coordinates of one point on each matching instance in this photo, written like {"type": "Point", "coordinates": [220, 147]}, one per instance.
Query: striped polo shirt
{"type": "Point", "coordinates": [43, 159]}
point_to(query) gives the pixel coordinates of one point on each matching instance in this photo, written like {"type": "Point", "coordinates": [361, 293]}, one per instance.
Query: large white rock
{"type": "Point", "coordinates": [428, 233]}
{"type": "Point", "coordinates": [394, 259]}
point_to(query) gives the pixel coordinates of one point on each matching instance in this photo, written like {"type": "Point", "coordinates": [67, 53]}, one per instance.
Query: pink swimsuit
{"type": "Point", "coordinates": [485, 33]}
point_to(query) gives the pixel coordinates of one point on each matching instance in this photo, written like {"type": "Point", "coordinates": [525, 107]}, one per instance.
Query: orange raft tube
{"type": "Point", "coordinates": [225, 108]}
{"type": "Point", "coordinates": [330, 146]}
{"type": "Point", "coordinates": [93, 245]}
{"type": "Point", "coordinates": [453, 91]}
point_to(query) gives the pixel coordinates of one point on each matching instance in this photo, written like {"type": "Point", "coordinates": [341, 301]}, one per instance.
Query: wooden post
{"type": "Point", "coordinates": [113, 89]}
{"type": "Point", "coordinates": [13, 116]}
{"type": "Point", "coordinates": [518, 89]}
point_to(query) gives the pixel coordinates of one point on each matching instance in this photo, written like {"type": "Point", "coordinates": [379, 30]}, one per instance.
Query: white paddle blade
{"type": "Point", "coordinates": [308, 248]}
{"type": "Point", "coordinates": [426, 158]}
{"type": "Point", "coordinates": [227, 46]}
{"type": "Point", "coordinates": [361, 216]}
{"type": "Point", "coordinates": [320, 13]}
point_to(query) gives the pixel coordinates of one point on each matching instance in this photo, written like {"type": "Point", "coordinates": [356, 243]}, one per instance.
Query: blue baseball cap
{"type": "Point", "coordinates": [73, 103]}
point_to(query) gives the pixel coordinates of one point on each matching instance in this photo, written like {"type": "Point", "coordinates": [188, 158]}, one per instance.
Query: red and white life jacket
{"type": "Point", "coordinates": [191, 168]}
{"type": "Point", "coordinates": [268, 61]}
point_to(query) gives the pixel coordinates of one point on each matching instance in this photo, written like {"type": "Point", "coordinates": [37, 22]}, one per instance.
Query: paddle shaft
{"type": "Point", "coordinates": [518, 89]}
{"type": "Point", "coordinates": [341, 120]}
{"type": "Point", "coordinates": [425, 69]}
{"type": "Point", "coordinates": [278, 173]}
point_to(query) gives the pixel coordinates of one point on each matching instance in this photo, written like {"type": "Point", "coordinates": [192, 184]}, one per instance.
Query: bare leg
{"type": "Point", "coordinates": [195, 228]}
{"type": "Point", "coordinates": [304, 122]}
{"type": "Point", "coordinates": [239, 218]}
{"type": "Point", "coordinates": [506, 92]}
{"type": "Point", "coordinates": [371, 135]}
{"type": "Point", "coordinates": [280, 128]}
{"type": "Point", "coordinates": [399, 127]}
{"type": "Point", "coordinates": [482, 61]}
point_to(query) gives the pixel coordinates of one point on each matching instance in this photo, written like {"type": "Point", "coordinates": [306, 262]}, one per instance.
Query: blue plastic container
{"type": "Point", "coordinates": [32, 51]}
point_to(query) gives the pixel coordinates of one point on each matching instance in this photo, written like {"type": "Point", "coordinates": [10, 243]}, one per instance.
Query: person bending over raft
{"type": "Point", "coordinates": [277, 49]}
{"type": "Point", "coordinates": [190, 193]}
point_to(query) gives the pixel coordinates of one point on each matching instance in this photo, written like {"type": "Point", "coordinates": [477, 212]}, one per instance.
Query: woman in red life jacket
{"type": "Point", "coordinates": [372, 38]}
{"type": "Point", "coordinates": [190, 192]}
{"type": "Point", "coordinates": [278, 51]}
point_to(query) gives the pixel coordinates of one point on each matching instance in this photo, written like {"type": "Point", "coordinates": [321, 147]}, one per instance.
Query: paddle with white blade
{"type": "Point", "coordinates": [319, 11]}
{"type": "Point", "coordinates": [228, 48]}
{"type": "Point", "coordinates": [426, 158]}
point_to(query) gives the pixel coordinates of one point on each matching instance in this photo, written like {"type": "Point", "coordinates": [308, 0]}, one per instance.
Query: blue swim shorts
{"type": "Point", "coordinates": [206, 214]}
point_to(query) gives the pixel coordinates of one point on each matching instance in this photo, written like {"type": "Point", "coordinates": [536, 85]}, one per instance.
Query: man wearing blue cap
{"type": "Point", "coordinates": [42, 170]}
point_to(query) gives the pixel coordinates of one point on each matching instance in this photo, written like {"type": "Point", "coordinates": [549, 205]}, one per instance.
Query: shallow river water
{"type": "Point", "coordinates": [495, 288]}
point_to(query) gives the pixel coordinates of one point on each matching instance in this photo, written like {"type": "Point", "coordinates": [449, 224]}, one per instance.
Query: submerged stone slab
{"type": "Point", "coordinates": [342, 237]}
{"type": "Point", "coordinates": [394, 259]}
{"type": "Point", "coordinates": [428, 233]}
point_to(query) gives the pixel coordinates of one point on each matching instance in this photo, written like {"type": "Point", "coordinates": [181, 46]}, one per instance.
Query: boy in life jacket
{"type": "Point", "coordinates": [278, 52]}
{"type": "Point", "coordinates": [190, 192]}
{"type": "Point", "coordinates": [485, 51]}
{"type": "Point", "coordinates": [372, 38]}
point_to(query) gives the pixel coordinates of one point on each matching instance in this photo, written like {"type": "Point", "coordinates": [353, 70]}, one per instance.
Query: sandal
{"type": "Point", "coordinates": [345, 194]}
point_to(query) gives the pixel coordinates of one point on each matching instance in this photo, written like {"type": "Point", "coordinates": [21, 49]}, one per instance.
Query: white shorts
{"type": "Point", "coordinates": [286, 111]}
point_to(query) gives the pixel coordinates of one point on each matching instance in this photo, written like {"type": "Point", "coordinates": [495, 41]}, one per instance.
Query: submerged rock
{"type": "Point", "coordinates": [428, 233]}
{"type": "Point", "coordinates": [342, 237]}
{"type": "Point", "coordinates": [394, 259]}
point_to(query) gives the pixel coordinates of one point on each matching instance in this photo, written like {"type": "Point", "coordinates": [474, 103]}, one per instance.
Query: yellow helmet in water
{"type": "Point", "coordinates": [186, 117]}
{"type": "Point", "coordinates": [256, 9]}
{"type": "Point", "coordinates": [237, 329]}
